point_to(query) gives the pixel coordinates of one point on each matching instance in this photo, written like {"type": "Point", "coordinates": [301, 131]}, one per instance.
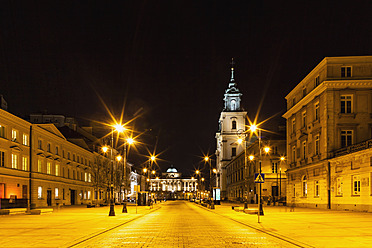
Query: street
{"type": "Point", "coordinates": [183, 224]}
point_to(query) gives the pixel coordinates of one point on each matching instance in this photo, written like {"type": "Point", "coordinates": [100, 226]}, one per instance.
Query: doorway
{"type": "Point", "coordinates": [49, 197]}
{"type": "Point", "coordinates": [73, 196]}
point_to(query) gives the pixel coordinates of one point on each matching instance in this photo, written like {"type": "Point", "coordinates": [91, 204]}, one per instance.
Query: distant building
{"type": "Point", "coordinates": [171, 185]}
{"type": "Point", "coordinates": [329, 131]}
{"type": "Point", "coordinates": [231, 123]}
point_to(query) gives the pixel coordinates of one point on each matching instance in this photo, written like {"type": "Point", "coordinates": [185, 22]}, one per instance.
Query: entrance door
{"type": "Point", "coordinates": [49, 198]}
{"type": "Point", "coordinates": [73, 196]}
{"type": "Point", "coordinates": [24, 191]}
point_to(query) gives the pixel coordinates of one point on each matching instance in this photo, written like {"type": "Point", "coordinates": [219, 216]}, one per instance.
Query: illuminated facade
{"type": "Point", "coordinates": [231, 124]}
{"type": "Point", "coordinates": [329, 125]}
{"type": "Point", "coordinates": [172, 186]}
{"type": "Point", "coordinates": [241, 184]}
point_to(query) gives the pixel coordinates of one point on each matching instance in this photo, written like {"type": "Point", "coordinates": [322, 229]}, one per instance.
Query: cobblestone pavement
{"type": "Point", "coordinates": [183, 224]}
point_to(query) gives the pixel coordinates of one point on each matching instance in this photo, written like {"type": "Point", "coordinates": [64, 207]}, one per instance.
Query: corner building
{"type": "Point", "coordinates": [329, 127]}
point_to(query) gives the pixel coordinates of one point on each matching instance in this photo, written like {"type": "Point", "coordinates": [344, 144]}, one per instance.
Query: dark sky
{"type": "Point", "coordinates": [169, 58]}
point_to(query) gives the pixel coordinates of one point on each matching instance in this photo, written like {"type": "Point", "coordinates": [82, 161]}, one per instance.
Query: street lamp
{"type": "Point", "coordinates": [245, 174]}
{"type": "Point", "coordinates": [207, 160]}
{"type": "Point", "coordinates": [129, 141]}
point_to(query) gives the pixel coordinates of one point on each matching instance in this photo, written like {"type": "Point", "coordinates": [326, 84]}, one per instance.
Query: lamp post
{"type": "Point", "coordinates": [240, 140]}
{"type": "Point", "coordinates": [207, 160]}
{"type": "Point", "coordinates": [197, 172]}
{"type": "Point", "coordinates": [130, 141]}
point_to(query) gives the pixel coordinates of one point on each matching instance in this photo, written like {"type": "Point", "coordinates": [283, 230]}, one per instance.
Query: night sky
{"type": "Point", "coordinates": [169, 61]}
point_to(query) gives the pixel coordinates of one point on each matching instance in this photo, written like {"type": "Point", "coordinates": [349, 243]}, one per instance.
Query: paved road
{"type": "Point", "coordinates": [183, 224]}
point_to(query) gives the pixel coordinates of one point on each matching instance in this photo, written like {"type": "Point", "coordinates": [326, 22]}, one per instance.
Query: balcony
{"type": "Point", "coordinates": [353, 148]}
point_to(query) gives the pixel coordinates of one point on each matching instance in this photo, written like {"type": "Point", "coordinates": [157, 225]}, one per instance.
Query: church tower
{"type": "Point", "coordinates": [231, 124]}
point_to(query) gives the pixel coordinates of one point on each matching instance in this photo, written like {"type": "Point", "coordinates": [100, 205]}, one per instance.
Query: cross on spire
{"type": "Point", "coordinates": [232, 63]}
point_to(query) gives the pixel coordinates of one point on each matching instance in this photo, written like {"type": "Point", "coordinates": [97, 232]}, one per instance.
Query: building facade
{"type": "Point", "coordinates": [330, 109]}
{"type": "Point", "coordinates": [241, 185]}
{"type": "Point", "coordinates": [171, 185]}
{"type": "Point", "coordinates": [231, 124]}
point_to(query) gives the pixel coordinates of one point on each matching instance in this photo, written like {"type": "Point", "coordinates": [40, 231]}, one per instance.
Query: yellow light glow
{"type": "Point", "coordinates": [251, 157]}
{"type": "Point", "coordinates": [253, 128]}
{"type": "Point", "coordinates": [197, 171]}
{"type": "Point", "coordinates": [192, 178]}
{"type": "Point", "coordinates": [282, 158]}
{"type": "Point", "coordinates": [153, 158]}
{"type": "Point", "coordinates": [148, 179]}
{"type": "Point", "coordinates": [119, 128]}
{"type": "Point", "coordinates": [130, 141]}
{"type": "Point", "coordinates": [105, 148]}
{"type": "Point", "coordinates": [267, 149]}
{"type": "Point", "coordinates": [206, 158]}
{"type": "Point", "coordinates": [153, 172]}
{"type": "Point", "coordinates": [214, 170]}
{"type": "Point", "coordinates": [157, 177]}
{"type": "Point", "coordinates": [203, 179]}
{"type": "Point", "coordinates": [145, 170]}
{"type": "Point", "coordinates": [240, 140]}
{"type": "Point", "coordinates": [118, 158]}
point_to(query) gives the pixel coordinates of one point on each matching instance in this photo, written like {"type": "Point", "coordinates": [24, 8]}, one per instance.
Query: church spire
{"type": "Point", "coordinates": [232, 70]}
{"type": "Point", "coordinates": [232, 94]}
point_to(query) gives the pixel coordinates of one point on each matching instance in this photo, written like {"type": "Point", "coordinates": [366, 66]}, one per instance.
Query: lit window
{"type": "Point", "coordinates": [339, 186]}
{"type": "Point", "coordinates": [274, 167]}
{"type": "Point", "coordinates": [346, 138]}
{"type": "Point", "coordinates": [233, 105]}
{"type": "Point", "coordinates": [40, 192]}
{"type": "Point", "coordinates": [346, 71]}
{"type": "Point", "coordinates": [356, 185]}
{"type": "Point", "coordinates": [88, 194]}
{"type": "Point", "coordinates": [2, 131]}
{"type": "Point", "coordinates": [304, 186]}
{"type": "Point", "coordinates": [56, 192]}
{"type": "Point", "coordinates": [14, 135]}
{"type": "Point", "coordinates": [14, 161]}
{"type": "Point", "coordinates": [39, 165]}
{"type": "Point", "coordinates": [89, 177]}
{"type": "Point", "coordinates": [346, 104]}
{"type": "Point", "coordinates": [25, 139]}
{"type": "Point", "coordinates": [316, 188]}
{"type": "Point", "coordinates": [57, 170]}
{"type": "Point", "coordinates": [49, 167]}
{"type": "Point", "coordinates": [86, 177]}
{"type": "Point", "coordinates": [316, 112]}
{"type": "Point", "coordinates": [24, 163]}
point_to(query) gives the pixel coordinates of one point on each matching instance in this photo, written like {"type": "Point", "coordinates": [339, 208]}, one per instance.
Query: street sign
{"type": "Point", "coordinates": [259, 177]}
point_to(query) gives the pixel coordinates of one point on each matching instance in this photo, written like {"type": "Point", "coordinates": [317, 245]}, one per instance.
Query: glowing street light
{"type": "Point", "coordinates": [105, 149]}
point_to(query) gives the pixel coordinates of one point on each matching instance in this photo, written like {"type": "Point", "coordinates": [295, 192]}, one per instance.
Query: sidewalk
{"type": "Point", "coordinates": [308, 227]}
{"type": "Point", "coordinates": [63, 227]}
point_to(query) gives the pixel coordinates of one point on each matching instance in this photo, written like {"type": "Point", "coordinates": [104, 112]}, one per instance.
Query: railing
{"type": "Point", "coordinates": [353, 148]}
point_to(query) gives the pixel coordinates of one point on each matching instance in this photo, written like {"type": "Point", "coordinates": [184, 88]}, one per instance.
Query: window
{"type": "Point", "coordinates": [339, 186]}
{"type": "Point", "coordinates": [304, 119]}
{"type": "Point", "coordinates": [40, 144]}
{"type": "Point", "coordinates": [304, 186]}
{"type": "Point", "coordinates": [303, 91]}
{"type": "Point", "coordinates": [39, 192]}
{"type": "Point", "coordinates": [14, 135]}
{"type": "Point", "coordinates": [233, 124]}
{"type": "Point", "coordinates": [48, 147]}
{"type": "Point", "coordinates": [294, 190]}
{"type": "Point", "coordinates": [346, 104]}
{"type": "Point", "coordinates": [294, 154]}
{"type": "Point", "coordinates": [56, 193]}
{"type": "Point", "coordinates": [317, 144]}
{"type": "Point", "coordinates": [316, 188]}
{"type": "Point", "coordinates": [86, 177]}
{"type": "Point", "coordinates": [68, 155]}
{"type": "Point", "coordinates": [57, 170]}
{"type": "Point", "coordinates": [316, 111]}
{"type": "Point", "coordinates": [274, 167]}
{"type": "Point", "coordinates": [346, 71]}
{"type": "Point", "coordinates": [233, 151]}
{"type": "Point", "coordinates": [49, 168]}
{"type": "Point", "coordinates": [57, 152]}
{"type": "Point", "coordinates": [14, 161]}
{"type": "Point", "coordinates": [304, 149]}
{"type": "Point", "coordinates": [293, 101]}
{"type": "Point", "coordinates": [39, 165]}
{"type": "Point", "coordinates": [346, 138]}
{"type": "Point", "coordinates": [233, 105]}
{"type": "Point", "coordinates": [88, 194]}
{"type": "Point", "coordinates": [317, 81]}
{"type": "Point", "coordinates": [356, 185]}
{"type": "Point", "coordinates": [25, 140]}
{"type": "Point", "coordinates": [293, 125]}
{"type": "Point", "coordinates": [89, 177]}
{"type": "Point", "coordinates": [24, 163]}
{"type": "Point", "coordinates": [2, 131]}
{"type": "Point", "coordinates": [73, 157]}
{"type": "Point", "coordinates": [2, 159]}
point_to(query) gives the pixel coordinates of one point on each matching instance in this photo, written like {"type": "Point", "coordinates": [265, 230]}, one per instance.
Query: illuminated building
{"type": "Point", "coordinates": [171, 185]}
{"type": "Point", "coordinates": [329, 130]}
{"type": "Point", "coordinates": [231, 123]}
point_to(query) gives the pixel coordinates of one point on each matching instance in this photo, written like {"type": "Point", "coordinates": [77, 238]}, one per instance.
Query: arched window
{"type": "Point", "coordinates": [304, 186]}
{"type": "Point", "coordinates": [233, 104]}
{"type": "Point", "coordinates": [233, 124]}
